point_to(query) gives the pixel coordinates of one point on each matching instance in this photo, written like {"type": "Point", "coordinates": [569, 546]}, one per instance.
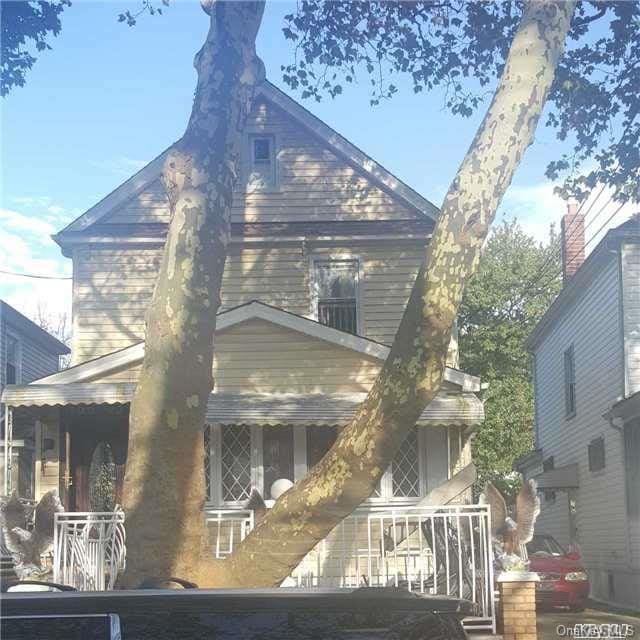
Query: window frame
{"type": "Point", "coordinates": [592, 452]}
{"type": "Point", "coordinates": [569, 384]}
{"type": "Point", "coordinates": [314, 296]}
{"type": "Point", "coordinates": [249, 161]}
{"type": "Point", "coordinates": [300, 467]}
{"type": "Point", "coordinates": [18, 354]}
{"type": "Point", "coordinates": [549, 464]}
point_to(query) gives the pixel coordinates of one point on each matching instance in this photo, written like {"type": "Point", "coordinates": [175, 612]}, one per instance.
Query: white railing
{"type": "Point", "coordinates": [439, 550]}
{"type": "Point", "coordinates": [89, 549]}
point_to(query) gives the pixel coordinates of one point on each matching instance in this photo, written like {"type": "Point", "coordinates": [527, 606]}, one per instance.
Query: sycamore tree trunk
{"type": "Point", "coordinates": [163, 487]}
{"type": "Point", "coordinates": [414, 369]}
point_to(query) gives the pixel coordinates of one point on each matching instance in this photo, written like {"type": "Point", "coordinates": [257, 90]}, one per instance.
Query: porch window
{"type": "Point", "coordinates": [569, 383]}
{"type": "Point", "coordinates": [319, 440]}
{"type": "Point", "coordinates": [336, 289]}
{"type": "Point", "coordinates": [236, 462]}
{"type": "Point", "coordinates": [12, 366]}
{"type": "Point", "coordinates": [277, 455]}
{"type": "Point", "coordinates": [405, 468]}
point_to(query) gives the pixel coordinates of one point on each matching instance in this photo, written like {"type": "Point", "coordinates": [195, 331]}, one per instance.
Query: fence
{"type": "Point", "coordinates": [89, 549]}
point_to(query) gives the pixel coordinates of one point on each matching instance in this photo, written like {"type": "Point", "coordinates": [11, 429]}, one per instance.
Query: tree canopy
{"type": "Point", "coordinates": [26, 28]}
{"type": "Point", "coordinates": [517, 280]}
{"type": "Point", "coordinates": [461, 46]}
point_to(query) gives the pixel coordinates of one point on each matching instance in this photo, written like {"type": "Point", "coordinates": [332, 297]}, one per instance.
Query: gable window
{"type": "Point", "coordinates": [262, 161]}
{"type": "Point", "coordinates": [596, 454]}
{"type": "Point", "coordinates": [12, 362]}
{"type": "Point", "coordinates": [569, 383]}
{"type": "Point", "coordinates": [336, 289]}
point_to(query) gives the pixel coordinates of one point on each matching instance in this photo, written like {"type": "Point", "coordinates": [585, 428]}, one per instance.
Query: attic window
{"type": "Point", "coordinates": [262, 170]}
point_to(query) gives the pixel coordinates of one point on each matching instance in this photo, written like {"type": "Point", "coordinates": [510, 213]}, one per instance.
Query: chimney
{"type": "Point", "coordinates": [572, 237]}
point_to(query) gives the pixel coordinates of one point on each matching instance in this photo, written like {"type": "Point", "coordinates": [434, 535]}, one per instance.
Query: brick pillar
{"type": "Point", "coordinates": [517, 618]}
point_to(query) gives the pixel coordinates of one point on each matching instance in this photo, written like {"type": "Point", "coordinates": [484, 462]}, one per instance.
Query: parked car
{"type": "Point", "coordinates": [564, 581]}
{"type": "Point", "coordinates": [264, 614]}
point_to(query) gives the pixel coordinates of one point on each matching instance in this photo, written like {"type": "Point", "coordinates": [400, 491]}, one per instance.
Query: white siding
{"type": "Point", "coordinates": [631, 297]}
{"type": "Point", "coordinates": [592, 324]}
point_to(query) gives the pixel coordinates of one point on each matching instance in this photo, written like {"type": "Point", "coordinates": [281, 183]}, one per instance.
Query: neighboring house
{"type": "Point", "coordinates": [586, 352]}
{"type": "Point", "coordinates": [27, 352]}
{"type": "Point", "coordinates": [325, 247]}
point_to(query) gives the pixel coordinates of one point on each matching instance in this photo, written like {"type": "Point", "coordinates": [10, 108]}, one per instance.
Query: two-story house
{"type": "Point", "coordinates": [586, 352]}
{"type": "Point", "coordinates": [325, 247]}
{"type": "Point", "coordinates": [27, 353]}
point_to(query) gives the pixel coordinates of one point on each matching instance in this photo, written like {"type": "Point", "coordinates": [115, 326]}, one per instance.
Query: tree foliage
{"type": "Point", "coordinates": [26, 28]}
{"type": "Point", "coordinates": [516, 282]}
{"type": "Point", "coordinates": [461, 46]}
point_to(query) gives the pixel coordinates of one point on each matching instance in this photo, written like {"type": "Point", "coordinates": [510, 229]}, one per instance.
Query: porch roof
{"type": "Point", "coordinates": [463, 409]}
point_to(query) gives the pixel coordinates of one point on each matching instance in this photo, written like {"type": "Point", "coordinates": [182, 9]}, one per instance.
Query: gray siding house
{"type": "Point", "coordinates": [27, 353]}
{"type": "Point", "coordinates": [586, 352]}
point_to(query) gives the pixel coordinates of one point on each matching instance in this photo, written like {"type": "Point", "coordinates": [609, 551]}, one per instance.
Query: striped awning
{"type": "Point", "coordinates": [463, 409]}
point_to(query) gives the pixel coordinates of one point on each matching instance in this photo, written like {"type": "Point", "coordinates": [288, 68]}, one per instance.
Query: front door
{"type": "Point", "coordinates": [97, 437]}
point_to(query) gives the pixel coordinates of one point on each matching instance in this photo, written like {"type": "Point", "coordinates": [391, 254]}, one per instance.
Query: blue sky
{"type": "Point", "coordinates": [108, 98]}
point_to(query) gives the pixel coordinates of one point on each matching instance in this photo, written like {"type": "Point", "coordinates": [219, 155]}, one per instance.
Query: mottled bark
{"type": "Point", "coordinates": [163, 488]}
{"type": "Point", "coordinates": [414, 369]}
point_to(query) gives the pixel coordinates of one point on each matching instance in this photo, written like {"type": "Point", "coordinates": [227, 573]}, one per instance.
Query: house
{"type": "Point", "coordinates": [586, 352]}
{"type": "Point", "coordinates": [27, 352]}
{"type": "Point", "coordinates": [325, 246]}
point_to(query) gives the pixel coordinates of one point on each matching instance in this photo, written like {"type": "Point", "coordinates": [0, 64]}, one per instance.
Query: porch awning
{"type": "Point", "coordinates": [561, 478]}
{"type": "Point", "coordinates": [463, 409]}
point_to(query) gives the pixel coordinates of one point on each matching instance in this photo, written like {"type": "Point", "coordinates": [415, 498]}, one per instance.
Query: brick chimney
{"type": "Point", "coordinates": [572, 237]}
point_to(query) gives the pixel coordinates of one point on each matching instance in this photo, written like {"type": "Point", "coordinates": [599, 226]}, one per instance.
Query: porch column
{"type": "Point", "coordinates": [8, 448]}
{"type": "Point", "coordinates": [518, 605]}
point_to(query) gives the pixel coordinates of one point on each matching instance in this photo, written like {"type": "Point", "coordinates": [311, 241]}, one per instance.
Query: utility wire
{"type": "Point", "coordinates": [33, 275]}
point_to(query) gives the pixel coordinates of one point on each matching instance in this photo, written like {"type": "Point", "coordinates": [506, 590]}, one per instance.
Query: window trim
{"type": "Point", "coordinates": [313, 284]}
{"type": "Point", "coordinates": [569, 412]}
{"type": "Point", "coordinates": [18, 364]}
{"type": "Point", "coordinates": [248, 161]}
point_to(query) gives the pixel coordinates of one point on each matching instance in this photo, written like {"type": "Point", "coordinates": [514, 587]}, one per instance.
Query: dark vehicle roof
{"type": "Point", "coordinates": [219, 600]}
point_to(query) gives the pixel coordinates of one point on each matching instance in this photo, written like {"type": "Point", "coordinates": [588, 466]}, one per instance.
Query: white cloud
{"type": "Point", "coordinates": [34, 226]}
{"type": "Point", "coordinates": [537, 207]}
{"type": "Point", "coordinates": [28, 249]}
{"type": "Point", "coordinates": [121, 166]}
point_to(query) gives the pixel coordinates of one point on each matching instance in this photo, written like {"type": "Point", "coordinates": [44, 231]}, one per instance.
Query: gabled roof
{"type": "Point", "coordinates": [627, 232]}
{"type": "Point", "coordinates": [130, 356]}
{"type": "Point", "coordinates": [28, 328]}
{"type": "Point", "coordinates": [339, 145]}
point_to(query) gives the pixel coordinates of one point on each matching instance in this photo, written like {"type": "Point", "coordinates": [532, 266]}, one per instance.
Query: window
{"type": "Point", "coordinates": [236, 462]}
{"type": "Point", "coordinates": [549, 465]}
{"type": "Point", "coordinates": [277, 455]}
{"type": "Point", "coordinates": [319, 440]}
{"type": "Point", "coordinates": [12, 366]}
{"type": "Point", "coordinates": [336, 283]}
{"type": "Point", "coordinates": [262, 160]}
{"type": "Point", "coordinates": [596, 454]}
{"type": "Point", "coordinates": [569, 383]}
{"type": "Point", "coordinates": [405, 468]}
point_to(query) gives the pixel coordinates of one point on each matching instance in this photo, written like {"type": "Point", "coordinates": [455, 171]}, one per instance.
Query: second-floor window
{"type": "Point", "coordinates": [12, 362]}
{"type": "Point", "coordinates": [336, 284]}
{"type": "Point", "coordinates": [262, 163]}
{"type": "Point", "coordinates": [569, 382]}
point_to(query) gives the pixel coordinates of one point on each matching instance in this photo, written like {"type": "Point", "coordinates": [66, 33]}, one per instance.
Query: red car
{"type": "Point", "coordinates": [563, 579]}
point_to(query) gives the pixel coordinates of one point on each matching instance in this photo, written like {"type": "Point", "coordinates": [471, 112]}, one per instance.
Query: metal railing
{"type": "Point", "coordinates": [339, 314]}
{"type": "Point", "coordinates": [439, 550]}
{"type": "Point", "coordinates": [89, 549]}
